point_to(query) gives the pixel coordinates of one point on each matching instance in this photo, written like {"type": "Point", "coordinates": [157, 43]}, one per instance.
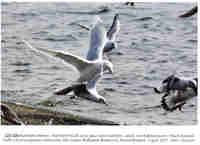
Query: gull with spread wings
{"type": "Point", "coordinates": [110, 35]}
{"type": "Point", "coordinates": [90, 69]}
{"type": "Point", "coordinates": [177, 91]}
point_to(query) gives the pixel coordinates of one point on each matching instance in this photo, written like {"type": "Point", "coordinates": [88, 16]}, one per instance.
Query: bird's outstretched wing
{"type": "Point", "coordinates": [114, 29]}
{"type": "Point", "coordinates": [97, 41]}
{"type": "Point", "coordinates": [177, 99]}
{"type": "Point", "coordinates": [171, 103]}
{"type": "Point", "coordinates": [79, 63]}
{"type": "Point", "coordinates": [92, 83]}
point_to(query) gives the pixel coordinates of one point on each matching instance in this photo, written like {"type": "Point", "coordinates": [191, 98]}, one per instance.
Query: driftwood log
{"type": "Point", "coordinates": [9, 115]}
{"type": "Point", "coordinates": [32, 115]}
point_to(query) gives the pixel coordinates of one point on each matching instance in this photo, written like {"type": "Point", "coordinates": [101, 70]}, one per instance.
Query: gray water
{"type": "Point", "coordinates": [152, 44]}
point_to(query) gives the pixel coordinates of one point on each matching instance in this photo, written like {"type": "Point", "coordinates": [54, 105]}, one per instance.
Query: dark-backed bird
{"type": "Point", "coordinates": [177, 91]}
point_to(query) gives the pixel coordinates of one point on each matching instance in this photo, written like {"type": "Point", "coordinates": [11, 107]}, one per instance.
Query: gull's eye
{"type": "Point", "coordinates": [113, 45]}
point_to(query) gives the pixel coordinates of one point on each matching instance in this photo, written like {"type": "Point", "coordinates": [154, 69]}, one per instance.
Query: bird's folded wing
{"type": "Point", "coordinates": [78, 62]}
{"type": "Point", "coordinates": [114, 29]}
{"type": "Point", "coordinates": [92, 83]}
{"type": "Point", "coordinates": [91, 87]}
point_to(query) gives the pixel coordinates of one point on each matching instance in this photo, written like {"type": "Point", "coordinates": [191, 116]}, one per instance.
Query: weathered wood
{"type": "Point", "coordinates": [36, 115]}
{"type": "Point", "coordinates": [9, 115]}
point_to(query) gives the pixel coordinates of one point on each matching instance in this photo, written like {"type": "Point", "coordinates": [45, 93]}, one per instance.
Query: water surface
{"type": "Point", "coordinates": [152, 44]}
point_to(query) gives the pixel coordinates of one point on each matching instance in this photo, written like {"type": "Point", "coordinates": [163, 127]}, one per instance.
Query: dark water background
{"type": "Point", "coordinates": [152, 44]}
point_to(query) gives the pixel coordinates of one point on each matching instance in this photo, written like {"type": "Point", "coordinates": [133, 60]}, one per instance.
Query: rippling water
{"type": "Point", "coordinates": [152, 44]}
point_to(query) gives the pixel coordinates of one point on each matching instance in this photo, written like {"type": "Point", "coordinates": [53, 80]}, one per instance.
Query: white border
{"type": "Point", "coordinates": [162, 1]}
{"type": "Point", "coordinates": [155, 130]}
{"type": "Point", "coordinates": [193, 129]}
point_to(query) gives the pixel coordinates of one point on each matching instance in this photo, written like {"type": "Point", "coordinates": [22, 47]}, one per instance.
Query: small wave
{"type": "Point", "coordinates": [182, 57]}
{"type": "Point", "coordinates": [109, 112]}
{"type": "Point", "coordinates": [21, 63]}
{"type": "Point", "coordinates": [109, 78]}
{"type": "Point", "coordinates": [127, 14]}
{"type": "Point", "coordinates": [4, 3]}
{"type": "Point", "coordinates": [122, 82]}
{"type": "Point", "coordinates": [22, 71]}
{"type": "Point", "coordinates": [3, 41]}
{"type": "Point", "coordinates": [77, 110]}
{"type": "Point", "coordinates": [23, 14]}
{"type": "Point", "coordinates": [55, 67]}
{"type": "Point", "coordinates": [100, 10]}
{"type": "Point", "coordinates": [10, 93]}
{"type": "Point", "coordinates": [192, 40]}
{"type": "Point", "coordinates": [19, 43]}
{"type": "Point", "coordinates": [144, 19]}
{"type": "Point", "coordinates": [161, 61]}
{"type": "Point", "coordinates": [68, 37]}
{"type": "Point", "coordinates": [117, 53]}
{"type": "Point", "coordinates": [109, 89]}
{"type": "Point", "coordinates": [40, 32]}
{"type": "Point", "coordinates": [148, 78]}
{"type": "Point", "coordinates": [146, 86]}
{"type": "Point", "coordinates": [7, 24]}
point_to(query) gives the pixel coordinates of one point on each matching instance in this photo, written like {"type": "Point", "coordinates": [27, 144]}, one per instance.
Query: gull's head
{"type": "Point", "coordinates": [110, 45]}
{"type": "Point", "coordinates": [108, 66]}
{"type": "Point", "coordinates": [165, 85]}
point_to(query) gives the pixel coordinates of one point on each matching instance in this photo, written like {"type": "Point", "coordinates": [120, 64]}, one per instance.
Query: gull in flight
{"type": "Point", "coordinates": [190, 12]}
{"type": "Point", "coordinates": [176, 92]}
{"type": "Point", "coordinates": [110, 35]}
{"type": "Point", "coordinates": [90, 69]}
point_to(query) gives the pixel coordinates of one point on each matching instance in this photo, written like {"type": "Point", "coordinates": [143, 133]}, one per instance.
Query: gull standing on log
{"type": "Point", "coordinates": [90, 69]}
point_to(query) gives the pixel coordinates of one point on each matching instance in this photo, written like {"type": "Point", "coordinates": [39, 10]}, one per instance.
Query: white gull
{"type": "Point", "coordinates": [90, 69]}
